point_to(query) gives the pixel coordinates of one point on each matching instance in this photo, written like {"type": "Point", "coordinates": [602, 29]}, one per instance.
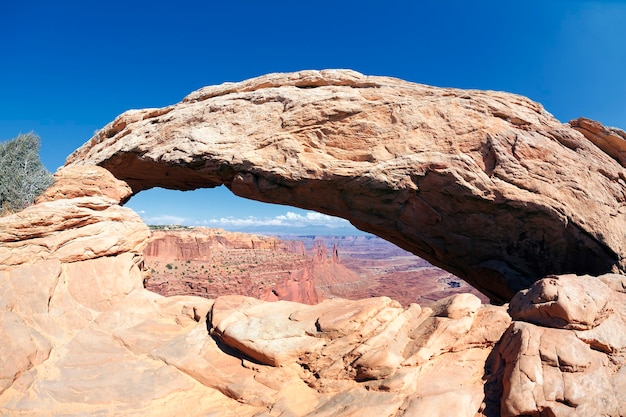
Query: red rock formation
{"type": "Point", "coordinates": [194, 261]}
{"type": "Point", "coordinates": [258, 266]}
{"type": "Point", "coordinates": [484, 184]}
{"type": "Point", "coordinates": [199, 243]}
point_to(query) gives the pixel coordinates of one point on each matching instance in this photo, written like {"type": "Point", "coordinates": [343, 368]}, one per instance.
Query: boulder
{"type": "Point", "coordinates": [563, 355]}
{"type": "Point", "coordinates": [381, 354]}
{"type": "Point", "coordinates": [487, 185]}
{"type": "Point", "coordinates": [74, 182]}
{"type": "Point", "coordinates": [563, 302]}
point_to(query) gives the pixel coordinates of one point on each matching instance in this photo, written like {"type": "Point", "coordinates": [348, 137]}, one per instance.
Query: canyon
{"type": "Point", "coordinates": [486, 185]}
{"type": "Point", "coordinates": [306, 269]}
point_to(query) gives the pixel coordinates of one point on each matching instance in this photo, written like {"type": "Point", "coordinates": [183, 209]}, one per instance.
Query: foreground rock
{"type": "Point", "coordinates": [484, 184]}
{"type": "Point", "coordinates": [79, 335]}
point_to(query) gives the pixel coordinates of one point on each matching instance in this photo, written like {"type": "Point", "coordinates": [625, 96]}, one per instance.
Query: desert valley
{"type": "Point", "coordinates": [305, 269]}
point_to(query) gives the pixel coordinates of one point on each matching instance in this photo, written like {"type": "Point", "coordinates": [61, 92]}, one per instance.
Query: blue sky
{"type": "Point", "coordinates": [67, 68]}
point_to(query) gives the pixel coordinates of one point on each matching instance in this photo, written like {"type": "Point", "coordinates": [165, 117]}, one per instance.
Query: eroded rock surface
{"type": "Point", "coordinates": [79, 335]}
{"type": "Point", "coordinates": [611, 140]}
{"type": "Point", "coordinates": [484, 184]}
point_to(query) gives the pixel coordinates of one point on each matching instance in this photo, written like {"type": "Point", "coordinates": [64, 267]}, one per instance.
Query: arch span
{"type": "Point", "coordinates": [484, 184]}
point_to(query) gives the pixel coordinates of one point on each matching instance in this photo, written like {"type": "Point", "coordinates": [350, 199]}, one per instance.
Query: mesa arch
{"type": "Point", "coordinates": [487, 185]}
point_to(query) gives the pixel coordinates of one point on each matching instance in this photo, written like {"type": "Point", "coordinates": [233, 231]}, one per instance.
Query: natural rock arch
{"type": "Point", "coordinates": [486, 185]}
{"type": "Point", "coordinates": [81, 335]}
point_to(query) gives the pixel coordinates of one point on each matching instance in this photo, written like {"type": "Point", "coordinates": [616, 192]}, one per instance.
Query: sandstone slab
{"type": "Point", "coordinates": [566, 302]}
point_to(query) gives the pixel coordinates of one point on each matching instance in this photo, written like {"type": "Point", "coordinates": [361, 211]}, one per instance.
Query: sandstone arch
{"type": "Point", "coordinates": [487, 185]}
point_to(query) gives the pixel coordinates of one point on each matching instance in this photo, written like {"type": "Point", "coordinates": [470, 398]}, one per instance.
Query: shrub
{"type": "Point", "coordinates": [22, 175]}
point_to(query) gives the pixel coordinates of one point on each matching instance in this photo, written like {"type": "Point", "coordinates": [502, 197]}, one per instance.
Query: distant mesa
{"type": "Point", "coordinates": [487, 185]}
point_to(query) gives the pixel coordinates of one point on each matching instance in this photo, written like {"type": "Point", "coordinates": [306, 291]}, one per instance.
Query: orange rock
{"type": "Point", "coordinates": [555, 371]}
{"type": "Point", "coordinates": [563, 302]}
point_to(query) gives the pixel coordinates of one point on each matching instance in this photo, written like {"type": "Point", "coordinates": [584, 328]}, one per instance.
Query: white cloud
{"type": "Point", "coordinates": [307, 222]}
{"type": "Point", "coordinates": [289, 219]}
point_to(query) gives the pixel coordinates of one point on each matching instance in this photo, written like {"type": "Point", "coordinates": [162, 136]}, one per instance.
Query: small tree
{"type": "Point", "coordinates": [22, 175]}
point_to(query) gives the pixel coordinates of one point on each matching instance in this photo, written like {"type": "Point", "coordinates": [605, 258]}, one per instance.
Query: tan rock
{"type": "Point", "coordinates": [615, 281]}
{"type": "Point", "coordinates": [351, 317]}
{"type": "Point", "coordinates": [611, 140]}
{"type": "Point", "coordinates": [564, 302]}
{"type": "Point", "coordinates": [21, 348]}
{"type": "Point", "coordinates": [484, 184]}
{"type": "Point", "coordinates": [552, 371]}
{"type": "Point", "coordinates": [74, 182]}
{"type": "Point", "coordinates": [370, 344]}
{"type": "Point", "coordinates": [560, 372]}
{"type": "Point", "coordinates": [70, 230]}
{"type": "Point", "coordinates": [266, 333]}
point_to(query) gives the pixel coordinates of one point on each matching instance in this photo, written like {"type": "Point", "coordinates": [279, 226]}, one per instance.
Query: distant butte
{"type": "Point", "coordinates": [487, 185]}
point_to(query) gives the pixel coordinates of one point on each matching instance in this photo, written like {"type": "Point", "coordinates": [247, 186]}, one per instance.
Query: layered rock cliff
{"type": "Point", "coordinates": [200, 243]}
{"type": "Point", "coordinates": [79, 335]}
{"type": "Point", "coordinates": [213, 262]}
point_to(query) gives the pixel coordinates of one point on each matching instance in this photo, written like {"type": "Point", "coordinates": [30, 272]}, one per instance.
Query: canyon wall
{"type": "Point", "coordinates": [214, 262]}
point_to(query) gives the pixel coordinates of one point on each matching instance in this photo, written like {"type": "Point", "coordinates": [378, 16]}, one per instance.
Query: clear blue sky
{"type": "Point", "coordinates": [67, 68]}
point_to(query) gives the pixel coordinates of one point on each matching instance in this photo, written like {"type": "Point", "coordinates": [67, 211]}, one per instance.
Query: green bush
{"type": "Point", "coordinates": [22, 175]}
